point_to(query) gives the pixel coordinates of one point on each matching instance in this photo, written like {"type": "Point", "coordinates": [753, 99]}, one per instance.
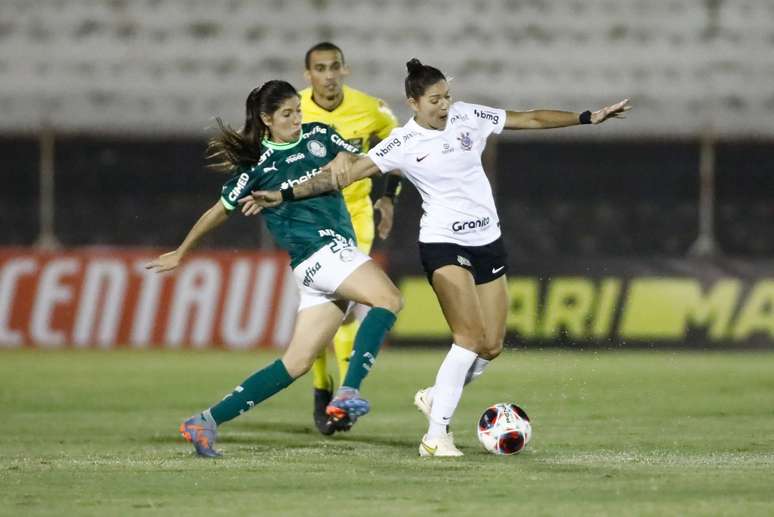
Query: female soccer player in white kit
{"type": "Point", "coordinates": [460, 243]}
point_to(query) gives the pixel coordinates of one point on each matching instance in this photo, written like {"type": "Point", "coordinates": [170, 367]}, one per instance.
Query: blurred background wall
{"type": "Point", "coordinates": [106, 107]}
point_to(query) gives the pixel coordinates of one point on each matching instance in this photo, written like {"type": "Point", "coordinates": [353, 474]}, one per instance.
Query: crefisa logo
{"type": "Point", "coordinates": [310, 272]}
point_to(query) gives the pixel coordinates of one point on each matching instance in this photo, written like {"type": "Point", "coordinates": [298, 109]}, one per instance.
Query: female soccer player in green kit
{"type": "Point", "coordinates": [275, 151]}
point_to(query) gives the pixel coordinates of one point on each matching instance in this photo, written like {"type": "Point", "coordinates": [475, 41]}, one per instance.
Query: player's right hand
{"type": "Point", "coordinates": [260, 199]}
{"type": "Point", "coordinates": [165, 262]}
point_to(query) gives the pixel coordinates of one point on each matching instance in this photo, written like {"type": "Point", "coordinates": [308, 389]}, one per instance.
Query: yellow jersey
{"type": "Point", "coordinates": [358, 119]}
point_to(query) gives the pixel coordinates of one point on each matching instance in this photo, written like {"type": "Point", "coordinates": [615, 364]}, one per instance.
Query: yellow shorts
{"type": "Point", "coordinates": [362, 213]}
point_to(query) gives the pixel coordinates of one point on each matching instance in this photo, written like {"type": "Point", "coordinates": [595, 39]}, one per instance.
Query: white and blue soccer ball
{"type": "Point", "coordinates": [504, 429]}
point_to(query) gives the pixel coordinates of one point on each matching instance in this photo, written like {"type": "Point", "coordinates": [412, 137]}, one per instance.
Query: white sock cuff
{"type": "Point", "coordinates": [461, 353]}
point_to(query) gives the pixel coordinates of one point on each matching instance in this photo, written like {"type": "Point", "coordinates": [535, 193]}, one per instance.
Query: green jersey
{"type": "Point", "coordinates": [303, 226]}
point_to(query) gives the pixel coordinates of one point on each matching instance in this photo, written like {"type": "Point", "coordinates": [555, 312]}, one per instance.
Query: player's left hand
{"type": "Point", "coordinates": [260, 199]}
{"type": "Point", "coordinates": [340, 167]}
{"type": "Point", "coordinates": [615, 111]}
{"type": "Point", "coordinates": [386, 209]}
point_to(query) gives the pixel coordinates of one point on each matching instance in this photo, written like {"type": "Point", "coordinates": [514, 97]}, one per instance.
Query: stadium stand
{"type": "Point", "coordinates": [170, 65]}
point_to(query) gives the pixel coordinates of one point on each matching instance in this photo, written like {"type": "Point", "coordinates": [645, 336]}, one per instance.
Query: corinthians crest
{"type": "Point", "coordinates": [465, 141]}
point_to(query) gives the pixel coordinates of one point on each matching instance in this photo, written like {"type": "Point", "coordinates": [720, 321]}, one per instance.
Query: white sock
{"type": "Point", "coordinates": [479, 365]}
{"type": "Point", "coordinates": [448, 388]}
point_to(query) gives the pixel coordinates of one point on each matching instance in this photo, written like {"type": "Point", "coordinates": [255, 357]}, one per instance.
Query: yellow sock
{"type": "Point", "coordinates": [320, 378]}
{"type": "Point", "coordinates": [343, 342]}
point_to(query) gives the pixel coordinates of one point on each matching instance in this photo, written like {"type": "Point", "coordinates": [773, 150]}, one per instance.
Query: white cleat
{"type": "Point", "coordinates": [424, 402]}
{"type": "Point", "coordinates": [442, 446]}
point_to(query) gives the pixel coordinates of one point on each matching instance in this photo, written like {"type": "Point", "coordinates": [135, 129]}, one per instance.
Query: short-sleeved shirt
{"type": "Point", "coordinates": [300, 227]}
{"type": "Point", "coordinates": [358, 118]}
{"type": "Point", "coordinates": [445, 167]}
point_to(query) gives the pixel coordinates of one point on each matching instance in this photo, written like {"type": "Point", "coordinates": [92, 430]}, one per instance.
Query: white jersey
{"type": "Point", "coordinates": [445, 166]}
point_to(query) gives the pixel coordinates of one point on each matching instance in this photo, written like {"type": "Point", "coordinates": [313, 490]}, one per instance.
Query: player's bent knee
{"type": "Point", "coordinates": [298, 366]}
{"type": "Point", "coordinates": [492, 350]}
{"type": "Point", "coordinates": [473, 341]}
{"type": "Point", "coordinates": [392, 301]}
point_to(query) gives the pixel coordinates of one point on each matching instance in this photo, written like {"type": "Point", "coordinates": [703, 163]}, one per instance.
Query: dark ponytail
{"type": "Point", "coordinates": [420, 77]}
{"type": "Point", "coordinates": [235, 149]}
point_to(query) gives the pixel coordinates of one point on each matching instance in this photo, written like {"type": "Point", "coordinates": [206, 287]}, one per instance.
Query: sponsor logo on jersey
{"type": "Point", "coordinates": [316, 129]}
{"type": "Point", "coordinates": [273, 168]}
{"type": "Point", "coordinates": [292, 158]}
{"type": "Point", "coordinates": [447, 148]}
{"type": "Point", "coordinates": [386, 147]}
{"type": "Point", "coordinates": [310, 272]}
{"type": "Point", "coordinates": [241, 182]}
{"type": "Point", "coordinates": [409, 136]}
{"type": "Point", "coordinates": [347, 255]}
{"type": "Point", "coordinates": [316, 148]}
{"type": "Point", "coordinates": [472, 225]}
{"type": "Point", "coordinates": [463, 261]}
{"type": "Point", "coordinates": [465, 141]}
{"type": "Point", "coordinates": [487, 115]}
{"type": "Point", "coordinates": [265, 156]}
{"type": "Point", "coordinates": [459, 117]}
{"type": "Point", "coordinates": [336, 139]}
{"type": "Point", "coordinates": [290, 183]}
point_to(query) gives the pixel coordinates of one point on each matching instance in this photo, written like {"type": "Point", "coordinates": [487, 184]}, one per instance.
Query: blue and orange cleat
{"type": "Point", "coordinates": [202, 434]}
{"type": "Point", "coordinates": [347, 405]}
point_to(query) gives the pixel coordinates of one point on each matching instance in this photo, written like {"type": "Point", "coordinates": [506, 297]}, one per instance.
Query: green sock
{"type": "Point", "coordinates": [368, 340]}
{"type": "Point", "coordinates": [255, 389]}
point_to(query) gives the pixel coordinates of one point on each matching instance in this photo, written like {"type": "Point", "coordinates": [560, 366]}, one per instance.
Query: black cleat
{"type": "Point", "coordinates": [342, 424]}
{"type": "Point", "coordinates": [322, 421]}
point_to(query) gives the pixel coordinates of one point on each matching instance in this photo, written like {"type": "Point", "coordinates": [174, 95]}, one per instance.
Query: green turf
{"type": "Point", "coordinates": [90, 433]}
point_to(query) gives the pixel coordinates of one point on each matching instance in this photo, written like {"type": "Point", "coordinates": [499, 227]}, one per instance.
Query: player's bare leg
{"type": "Point", "coordinates": [457, 295]}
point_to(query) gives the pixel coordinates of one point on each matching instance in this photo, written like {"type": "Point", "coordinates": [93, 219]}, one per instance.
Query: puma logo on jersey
{"type": "Point", "coordinates": [272, 168]}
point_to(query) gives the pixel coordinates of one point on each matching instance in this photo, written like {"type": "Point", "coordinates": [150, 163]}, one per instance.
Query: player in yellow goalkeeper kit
{"type": "Point", "coordinates": [363, 121]}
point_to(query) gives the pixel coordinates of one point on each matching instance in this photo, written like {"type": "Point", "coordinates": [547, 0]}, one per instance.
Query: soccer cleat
{"type": "Point", "coordinates": [424, 402]}
{"type": "Point", "coordinates": [202, 434]}
{"type": "Point", "coordinates": [347, 404]}
{"type": "Point", "coordinates": [343, 424]}
{"type": "Point", "coordinates": [321, 419]}
{"type": "Point", "coordinates": [442, 446]}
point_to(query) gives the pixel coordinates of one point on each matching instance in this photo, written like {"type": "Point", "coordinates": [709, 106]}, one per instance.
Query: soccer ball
{"type": "Point", "coordinates": [504, 429]}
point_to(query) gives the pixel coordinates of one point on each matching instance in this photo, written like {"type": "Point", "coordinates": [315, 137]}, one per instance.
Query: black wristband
{"type": "Point", "coordinates": [287, 194]}
{"type": "Point", "coordinates": [392, 184]}
{"type": "Point", "coordinates": [585, 117]}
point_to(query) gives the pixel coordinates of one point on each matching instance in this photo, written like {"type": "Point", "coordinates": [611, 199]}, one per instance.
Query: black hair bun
{"type": "Point", "coordinates": [414, 65]}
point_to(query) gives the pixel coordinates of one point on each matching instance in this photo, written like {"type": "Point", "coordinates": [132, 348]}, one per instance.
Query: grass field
{"type": "Point", "coordinates": [634, 433]}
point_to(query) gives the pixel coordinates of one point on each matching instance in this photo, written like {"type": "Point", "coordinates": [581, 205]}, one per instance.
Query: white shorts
{"type": "Point", "coordinates": [320, 275]}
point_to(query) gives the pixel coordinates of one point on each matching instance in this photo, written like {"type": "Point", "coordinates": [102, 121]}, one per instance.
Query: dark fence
{"type": "Point", "coordinates": [585, 199]}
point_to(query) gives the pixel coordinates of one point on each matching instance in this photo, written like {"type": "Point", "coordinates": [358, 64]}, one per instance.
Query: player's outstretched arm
{"type": "Point", "coordinates": [331, 177]}
{"type": "Point", "coordinates": [210, 220]}
{"type": "Point", "coordinates": [546, 119]}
